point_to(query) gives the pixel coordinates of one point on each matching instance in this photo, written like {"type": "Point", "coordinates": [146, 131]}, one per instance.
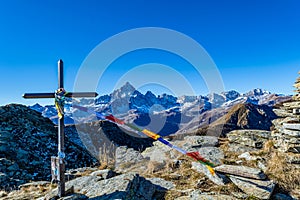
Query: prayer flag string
{"type": "Point", "coordinates": [195, 155]}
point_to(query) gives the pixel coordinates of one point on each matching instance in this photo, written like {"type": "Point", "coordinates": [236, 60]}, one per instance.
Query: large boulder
{"type": "Point", "coordinates": [261, 189]}
{"type": "Point", "coordinates": [125, 186]}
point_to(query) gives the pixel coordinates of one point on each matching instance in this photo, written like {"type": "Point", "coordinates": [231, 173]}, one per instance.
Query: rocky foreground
{"type": "Point", "coordinates": [244, 170]}
{"type": "Point", "coordinates": [27, 141]}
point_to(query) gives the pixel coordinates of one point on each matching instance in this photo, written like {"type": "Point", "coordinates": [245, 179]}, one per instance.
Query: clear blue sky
{"type": "Point", "coordinates": [254, 43]}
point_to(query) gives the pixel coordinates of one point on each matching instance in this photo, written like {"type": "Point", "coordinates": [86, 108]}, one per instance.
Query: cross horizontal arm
{"type": "Point", "coordinates": [82, 94]}
{"type": "Point", "coordinates": [38, 95]}
{"type": "Point", "coordinates": [52, 95]}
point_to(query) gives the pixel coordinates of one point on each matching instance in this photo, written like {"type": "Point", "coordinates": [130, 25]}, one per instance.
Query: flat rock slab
{"type": "Point", "coordinates": [293, 133]}
{"type": "Point", "coordinates": [293, 126]}
{"type": "Point", "coordinates": [196, 142]}
{"type": "Point", "coordinates": [258, 188]}
{"type": "Point", "coordinates": [243, 171]}
{"type": "Point", "coordinates": [217, 178]}
{"type": "Point", "coordinates": [197, 195]}
{"type": "Point", "coordinates": [125, 186]}
{"type": "Point", "coordinates": [282, 113]}
{"type": "Point", "coordinates": [286, 143]}
{"type": "Point", "coordinates": [295, 104]}
{"type": "Point", "coordinates": [281, 121]}
{"type": "Point", "coordinates": [252, 138]}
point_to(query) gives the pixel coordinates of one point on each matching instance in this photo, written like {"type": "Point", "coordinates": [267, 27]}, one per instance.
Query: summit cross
{"type": "Point", "coordinates": [59, 96]}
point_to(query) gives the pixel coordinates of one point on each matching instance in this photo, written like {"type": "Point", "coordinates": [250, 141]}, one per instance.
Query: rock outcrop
{"type": "Point", "coordinates": [286, 133]}
{"type": "Point", "coordinates": [27, 141]}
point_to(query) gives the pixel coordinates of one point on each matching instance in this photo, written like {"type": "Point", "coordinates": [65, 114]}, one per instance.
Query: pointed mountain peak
{"type": "Point", "coordinates": [127, 87]}
{"type": "Point", "coordinates": [123, 92]}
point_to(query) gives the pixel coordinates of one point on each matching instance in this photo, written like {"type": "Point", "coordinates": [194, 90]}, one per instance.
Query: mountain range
{"type": "Point", "coordinates": [165, 114]}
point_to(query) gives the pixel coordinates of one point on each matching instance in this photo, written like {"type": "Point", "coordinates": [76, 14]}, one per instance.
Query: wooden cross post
{"type": "Point", "coordinates": [61, 154]}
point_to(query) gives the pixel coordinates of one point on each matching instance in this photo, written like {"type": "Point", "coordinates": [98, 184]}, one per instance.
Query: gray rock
{"type": "Point", "coordinates": [293, 133]}
{"type": "Point", "coordinates": [4, 146]}
{"type": "Point", "coordinates": [5, 135]}
{"type": "Point", "coordinates": [3, 178]}
{"type": "Point", "coordinates": [286, 143]}
{"type": "Point", "coordinates": [258, 188]}
{"type": "Point", "coordinates": [296, 111]}
{"type": "Point", "coordinates": [127, 157]}
{"type": "Point", "coordinates": [13, 167]}
{"type": "Point", "coordinates": [197, 195]}
{"type": "Point", "coordinates": [22, 154]}
{"type": "Point", "coordinates": [82, 170]}
{"type": "Point", "coordinates": [126, 186]}
{"type": "Point", "coordinates": [27, 141]}
{"type": "Point", "coordinates": [243, 171]}
{"type": "Point", "coordinates": [261, 166]}
{"type": "Point", "coordinates": [282, 113]}
{"type": "Point", "coordinates": [193, 143]}
{"type": "Point", "coordinates": [162, 183]}
{"type": "Point", "coordinates": [293, 126]}
{"type": "Point", "coordinates": [280, 121]}
{"type": "Point", "coordinates": [239, 148]}
{"type": "Point", "coordinates": [217, 178]}
{"type": "Point", "coordinates": [213, 154]}
{"type": "Point", "coordinates": [252, 138]}
{"type": "Point", "coordinates": [74, 197]}
{"type": "Point", "coordinates": [161, 187]}
{"type": "Point", "coordinates": [247, 156]}
{"type": "Point", "coordinates": [280, 196]}
{"type": "Point", "coordinates": [105, 174]}
{"type": "Point", "coordinates": [240, 195]}
{"type": "Point", "coordinates": [158, 153]}
{"type": "Point", "coordinates": [293, 104]}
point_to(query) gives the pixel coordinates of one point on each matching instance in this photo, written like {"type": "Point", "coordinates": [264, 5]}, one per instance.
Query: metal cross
{"type": "Point", "coordinates": [59, 160]}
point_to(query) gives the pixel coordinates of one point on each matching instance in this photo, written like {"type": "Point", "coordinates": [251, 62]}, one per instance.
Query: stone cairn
{"type": "Point", "coordinates": [286, 134]}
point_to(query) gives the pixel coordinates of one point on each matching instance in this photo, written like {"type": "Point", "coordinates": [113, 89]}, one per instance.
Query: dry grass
{"type": "Point", "coordinates": [230, 157]}
{"type": "Point", "coordinates": [184, 177]}
{"type": "Point", "coordinates": [286, 175]}
{"type": "Point", "coordinates": [106, 157]}
{"type": "Point", "coordinates": [27, 193]}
